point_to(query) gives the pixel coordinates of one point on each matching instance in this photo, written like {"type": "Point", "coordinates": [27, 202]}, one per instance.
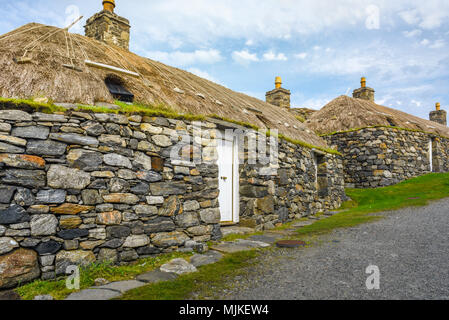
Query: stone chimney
{"type": "Point", "coordinates": [279, 96]}
{"type": "Point", "coordinates": [364, 92]}
{"type": "Point", "coordinates": [439, 116]}
{"type": "Point", "coordinates": [108, 27]}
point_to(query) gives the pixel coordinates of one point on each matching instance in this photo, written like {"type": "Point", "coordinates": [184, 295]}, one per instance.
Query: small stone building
{"type": "Point", "coordinates": [79, 186]}
{"type": "Point", "coordinates": [381, 146]}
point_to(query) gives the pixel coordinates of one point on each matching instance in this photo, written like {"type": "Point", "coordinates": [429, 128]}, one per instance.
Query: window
{"type": "Point", "coordinates": [322, 183]}
{"type": "Point", "coordinates": [118, 90]}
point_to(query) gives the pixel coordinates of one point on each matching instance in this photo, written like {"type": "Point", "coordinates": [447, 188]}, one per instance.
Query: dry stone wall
{"type": "Point", "coordinates": [377, 157]}
{"type": "Point", "coordinates": [303, 183]}
{"type": "Point", "coordinates": [79, 188]}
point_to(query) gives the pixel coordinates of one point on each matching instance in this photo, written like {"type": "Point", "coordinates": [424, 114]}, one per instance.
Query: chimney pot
{"type": "Point", "coordinates": [438, 106]}
{"type": "Point", "coordinates": [363, 82]}
{"type": "Point", "coordinates": [109, 5]}
{"type": "Point", "coordinates": [278, 82]}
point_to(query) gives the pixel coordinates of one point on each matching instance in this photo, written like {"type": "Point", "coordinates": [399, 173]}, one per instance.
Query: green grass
{"type": "Point", "coordinates": [57, 288]}
{"type": "Point", "coordinates": [158, 110]}
{"type": "Point", "coordinates": [379, 126]}
{"type": "Point", "coordinates": [300, 119]}
{"type": "Point", "coordinates": [414, 192]}
{"type": "Point", "coordinates": [205, 283]}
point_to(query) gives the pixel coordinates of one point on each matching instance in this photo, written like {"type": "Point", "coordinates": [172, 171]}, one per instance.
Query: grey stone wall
{"type": "Point", "coordinates": [377, 157]}
{"type": "Point", "coordinates": [79, 188]}
{"type": "Point", "coordinates": [292, 190]}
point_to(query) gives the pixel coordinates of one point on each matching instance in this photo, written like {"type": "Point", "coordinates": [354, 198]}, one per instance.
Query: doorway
{"type": "Point", "coordinates": [228, 176]}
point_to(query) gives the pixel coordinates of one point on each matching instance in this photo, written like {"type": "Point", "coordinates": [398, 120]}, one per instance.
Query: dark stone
{"type": "Point", "coordinates": [216, 233]}
{"type": "Point", "coordinates": [99, 184]}
{"type": "Point", "coordinates": [112, 128]}
{"type": "Point", "coordinates": [149, 176]}
{"type": "Point", "coordinates": [251, 191]}
{"type": "Point", "coordinates": [129, 255]}
{"type": "Point", "coordinates": [32, 132]}
{"type": "Point", "coordinates": [9, 296]}
{"type": "Point", "coordinates": [51, 196]}
{"type": "Point", "coordinates": [25, 178]}
{"type": "Point", "coordinates": [24, 197]}
{"type": "Point", "coordinates": [73, 138]}
{"type": "Point", "coordinates": [87, 160]}
{"type": "Point", "coordinates": [159, 224]}
{"type": "Point", "coordinates": [141, 188]}
{"type": "Point", "coordinates": [47, 148]}
{"type": "Point", "coordinates": [7, 148]}
{"type": "Point", "coordinates": [50, 247]}
{"type": "Point", "coordinates": [168, 188]}
{"type": "Point", "coordinates": [73, 234]}
{"type": "Point", "coordinates": [118, 232]}
{"type": "Point", "coordinates": [283, 214]}
{"type": "Point", "coordinates": [6, 194]}
{"type": "Point", "coordinates": [93, 128]}
{"type": "Point", "coordinates": [148, 251]}
{"type": "Point", "coordinates": [91, 197]}
{"type": "Point", "coordinates": [13, 215]}
{"type": "Point", "coordinates": [113, 244]}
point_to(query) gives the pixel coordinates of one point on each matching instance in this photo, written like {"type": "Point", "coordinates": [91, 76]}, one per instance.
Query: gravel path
{"type": "Point", "coordinates": [410, 247]}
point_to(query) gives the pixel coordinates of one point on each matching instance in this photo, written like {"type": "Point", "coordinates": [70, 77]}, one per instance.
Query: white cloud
{"type": "Point", "coordinates": [244, 57]}
{"type": "Point", "coordinates": [249, 43]}
{"type": "Point", "coordinates": [272, 56]}
{"type": "Point", "coordinates": [179, 58]}
{"type": "Point", "coordinates": [412, 33]}
{"type": "Point", "coordinates": [410, 16]}
{"type": "Point", "coordinates": [301, 55]}
{"type": "Point", "coordinates": [425, 42]}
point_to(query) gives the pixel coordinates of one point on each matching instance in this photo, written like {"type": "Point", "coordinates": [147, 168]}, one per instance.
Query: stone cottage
{"type": "Point", "coordinates": [80, 186]}
{"type": "Point", "coordinates": [382, 146]}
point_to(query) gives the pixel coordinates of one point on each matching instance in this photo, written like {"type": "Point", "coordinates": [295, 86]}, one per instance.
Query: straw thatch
{"type": "Point", "coordinates": [45, 76]}
{"type": "Point", "coordinates": [345, 113]}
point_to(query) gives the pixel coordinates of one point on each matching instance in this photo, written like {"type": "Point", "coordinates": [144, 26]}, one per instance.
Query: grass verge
{"type": "Point", "coordinates": [57, 288]}
{"type": "Point", "coordinates": [205, 283]}
{"type": "Point", "coordinates": [411, 193]}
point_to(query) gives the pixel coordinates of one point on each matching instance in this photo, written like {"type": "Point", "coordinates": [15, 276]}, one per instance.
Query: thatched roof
{"type": "Point", "coordinates": [345, 113]}
{"type": "Point", "coordinates": [45, 76]}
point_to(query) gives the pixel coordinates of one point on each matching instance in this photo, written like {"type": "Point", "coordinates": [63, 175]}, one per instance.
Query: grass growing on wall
{"type": "Point", "coordinates": [380, 127]}
{"type": "Point", "coordinates": [159, 110]}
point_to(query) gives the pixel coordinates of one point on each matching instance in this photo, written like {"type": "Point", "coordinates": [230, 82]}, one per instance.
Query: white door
{"type": "Point", "coordinates": [431, 155]}
{"type": "Point", "coordinates": [228, 180]}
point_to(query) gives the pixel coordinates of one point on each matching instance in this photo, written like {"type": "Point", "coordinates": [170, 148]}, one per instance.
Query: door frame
{"type": "Point", "coordinates": [235, 181]}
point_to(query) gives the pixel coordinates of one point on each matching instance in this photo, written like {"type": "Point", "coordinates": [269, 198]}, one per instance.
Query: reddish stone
{"type": "Point", "coordinates": [157, 164]}
{"type": "Point", "coordinates": [70, 208]}
{"type": "Point", "coordinates": [109, 218]}
{"type": "Point", "coordinates": [17, 267]}
{"type": "Point", "coordinates": [22, 161]}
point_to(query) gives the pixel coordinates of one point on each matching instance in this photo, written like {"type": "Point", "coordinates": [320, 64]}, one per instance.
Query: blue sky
{"type": "Point", "coordinates": [321, 48]}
